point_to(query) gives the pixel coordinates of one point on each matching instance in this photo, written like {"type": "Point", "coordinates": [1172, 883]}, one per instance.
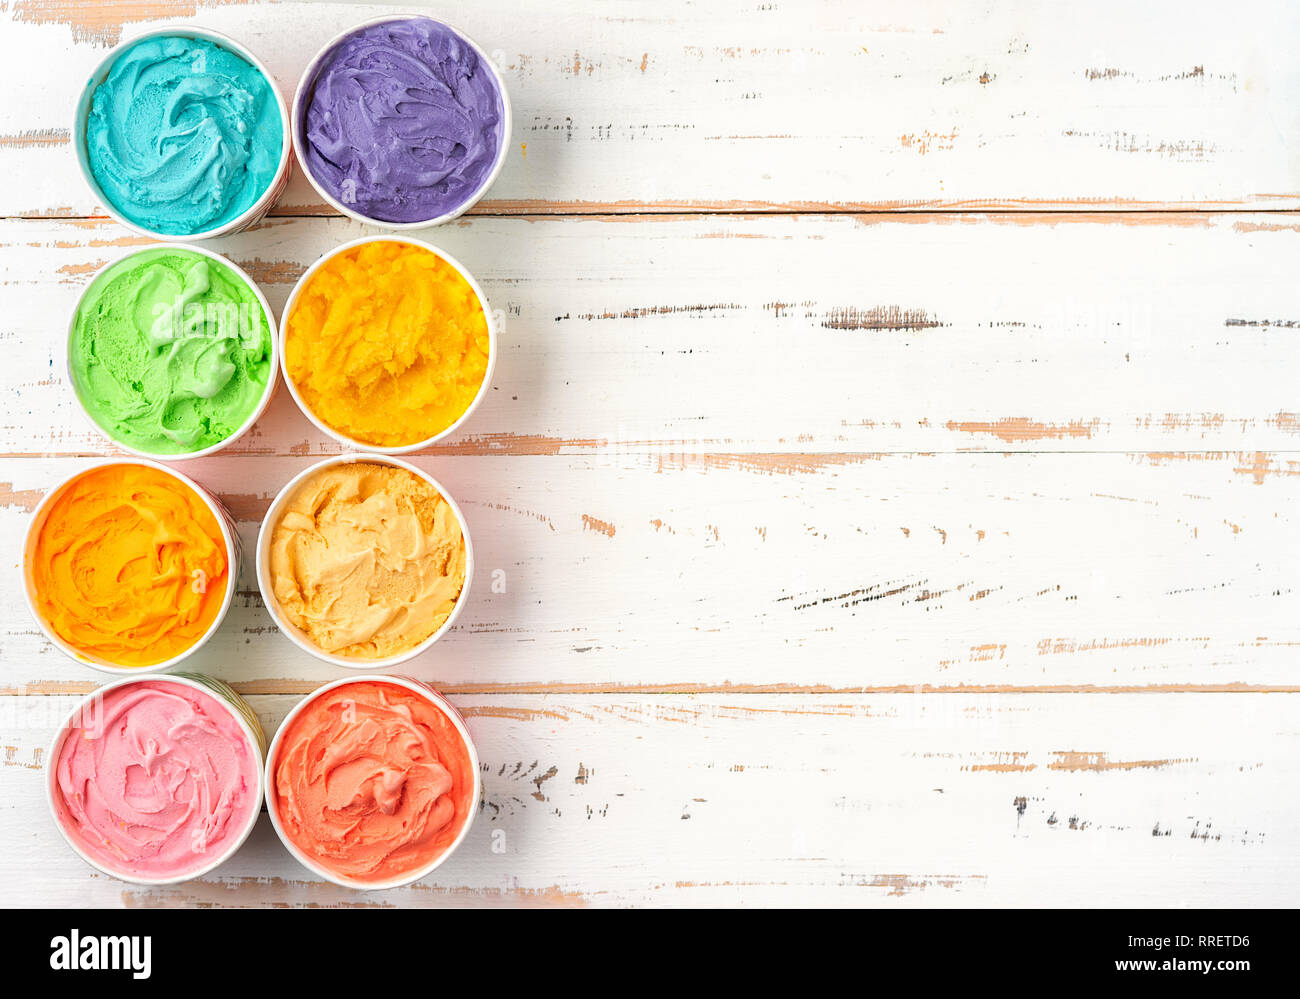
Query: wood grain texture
{"type": "Point", "coordinates": [677, 106]}
{"type": "Point", "coordinates": [990, 571]}
{"type": "Point", "coordinates": [810, 335]}
{"type": "Point", "coordinates": [891, 461]}
{"type": "Point", "coordinates": [795, 800]}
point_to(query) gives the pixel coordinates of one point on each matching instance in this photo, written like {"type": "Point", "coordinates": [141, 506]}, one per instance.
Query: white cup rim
{"type": "Point", "coordinates": [262, 562]}
{"type": "Point", "coordinates": [439, 701]}
{"type": "Point", "coordinates": [37, 523]}
{"type": "Point", "coordinates": [484, 387]}
{"type": "Point", "coordinates": [81, 114]}
{"type": "Point", "coordinates": [308, 79]}
{"type": "Point", "coordinates": [52, 762]}
{"type": "Point", "coordinates": [268, 393]}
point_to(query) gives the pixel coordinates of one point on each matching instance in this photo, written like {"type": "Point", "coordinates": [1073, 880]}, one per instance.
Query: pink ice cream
{"type": "Point", "coordinates": [156, 780]}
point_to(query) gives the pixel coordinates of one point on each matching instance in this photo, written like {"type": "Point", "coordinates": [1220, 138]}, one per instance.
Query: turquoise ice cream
{"type": "Point", "coordinates": [183, 135]}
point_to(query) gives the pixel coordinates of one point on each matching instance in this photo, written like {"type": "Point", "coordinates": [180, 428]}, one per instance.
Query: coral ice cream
{"type": "Point", "coordinates": [387, 344]}
{"type": "Point", "coordinates": [367, 560]}
{"type": "Point", "coordinates": [130, 565]}
{"type": "Point", "coordinates": [403, 121]}
{"type": "Point", "coordinates": [156, 780]}
{"type": "Point", "coordinates": [372, 781]}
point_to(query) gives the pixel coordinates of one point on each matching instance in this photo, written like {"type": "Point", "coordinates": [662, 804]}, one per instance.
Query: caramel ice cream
{"type": "Point", "coordinates": [367, 560]}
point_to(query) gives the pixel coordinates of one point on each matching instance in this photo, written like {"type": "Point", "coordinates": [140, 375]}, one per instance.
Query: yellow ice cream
{"type": "Point", "coordinates": [367, 560]}
{"type": "Point", "coordinates": [387, 344]}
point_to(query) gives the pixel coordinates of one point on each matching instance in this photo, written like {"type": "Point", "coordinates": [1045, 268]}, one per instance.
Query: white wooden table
{"type": "Point", "coordinates": [893, 456]}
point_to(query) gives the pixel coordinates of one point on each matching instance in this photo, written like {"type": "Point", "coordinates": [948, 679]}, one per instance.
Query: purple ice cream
{"type": "Point", "coordinates": [403, 121]}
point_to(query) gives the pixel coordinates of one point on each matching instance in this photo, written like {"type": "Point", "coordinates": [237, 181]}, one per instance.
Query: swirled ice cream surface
{"type": "Point", "coordinates": [404, 121]}
{"type": "Point", "coordinates": [170, 351]}
{"type": "Point", "coordinates": [183, 135]}
{"type": "Point", "coordinates": [372, 781]}
{"type": "Point", "coordinates": [156, 780]}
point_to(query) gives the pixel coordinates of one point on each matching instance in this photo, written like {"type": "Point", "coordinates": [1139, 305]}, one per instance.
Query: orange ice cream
{"type": "Point", "coordinates": [367, 560]}
{"type": "Point", "coordinates": [387, 344]}
{"type": "Point", "coordinates": [372, 781]}
{"type": "Point", "coordinates": [129, 565]}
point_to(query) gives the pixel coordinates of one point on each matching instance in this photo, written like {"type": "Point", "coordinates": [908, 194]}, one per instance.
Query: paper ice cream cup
{"type": "Point", "coordinates": [272, 380]}
{"type": "Point", "coordinates": [250, 216]}
{"type": "Point", "coordinates": [338, 435]}
{"type": "Point", "coordinates": [301, 101]}
{"type": "Point", "coordinates": [267, 588]}
{"type": "Point", "coordinates": [88, 718]}
{"type": "Point", "coordinates": [273, 802]}
{"type": "Point", "coordinates": [229, 534]}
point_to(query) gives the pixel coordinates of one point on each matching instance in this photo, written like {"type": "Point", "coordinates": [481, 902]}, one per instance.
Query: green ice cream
{"type": "Point", "coordinates": [170, 351]}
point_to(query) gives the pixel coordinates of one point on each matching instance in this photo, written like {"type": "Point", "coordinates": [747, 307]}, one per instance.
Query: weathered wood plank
{"type": "Point", "coordinates": [815, 572]}
{"type": "Point", "coordinates": [902, 800]}
{"type": "Point", "coordinates": [653, 106]}
{"type": "Point", "coordinates": [824, 334]}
